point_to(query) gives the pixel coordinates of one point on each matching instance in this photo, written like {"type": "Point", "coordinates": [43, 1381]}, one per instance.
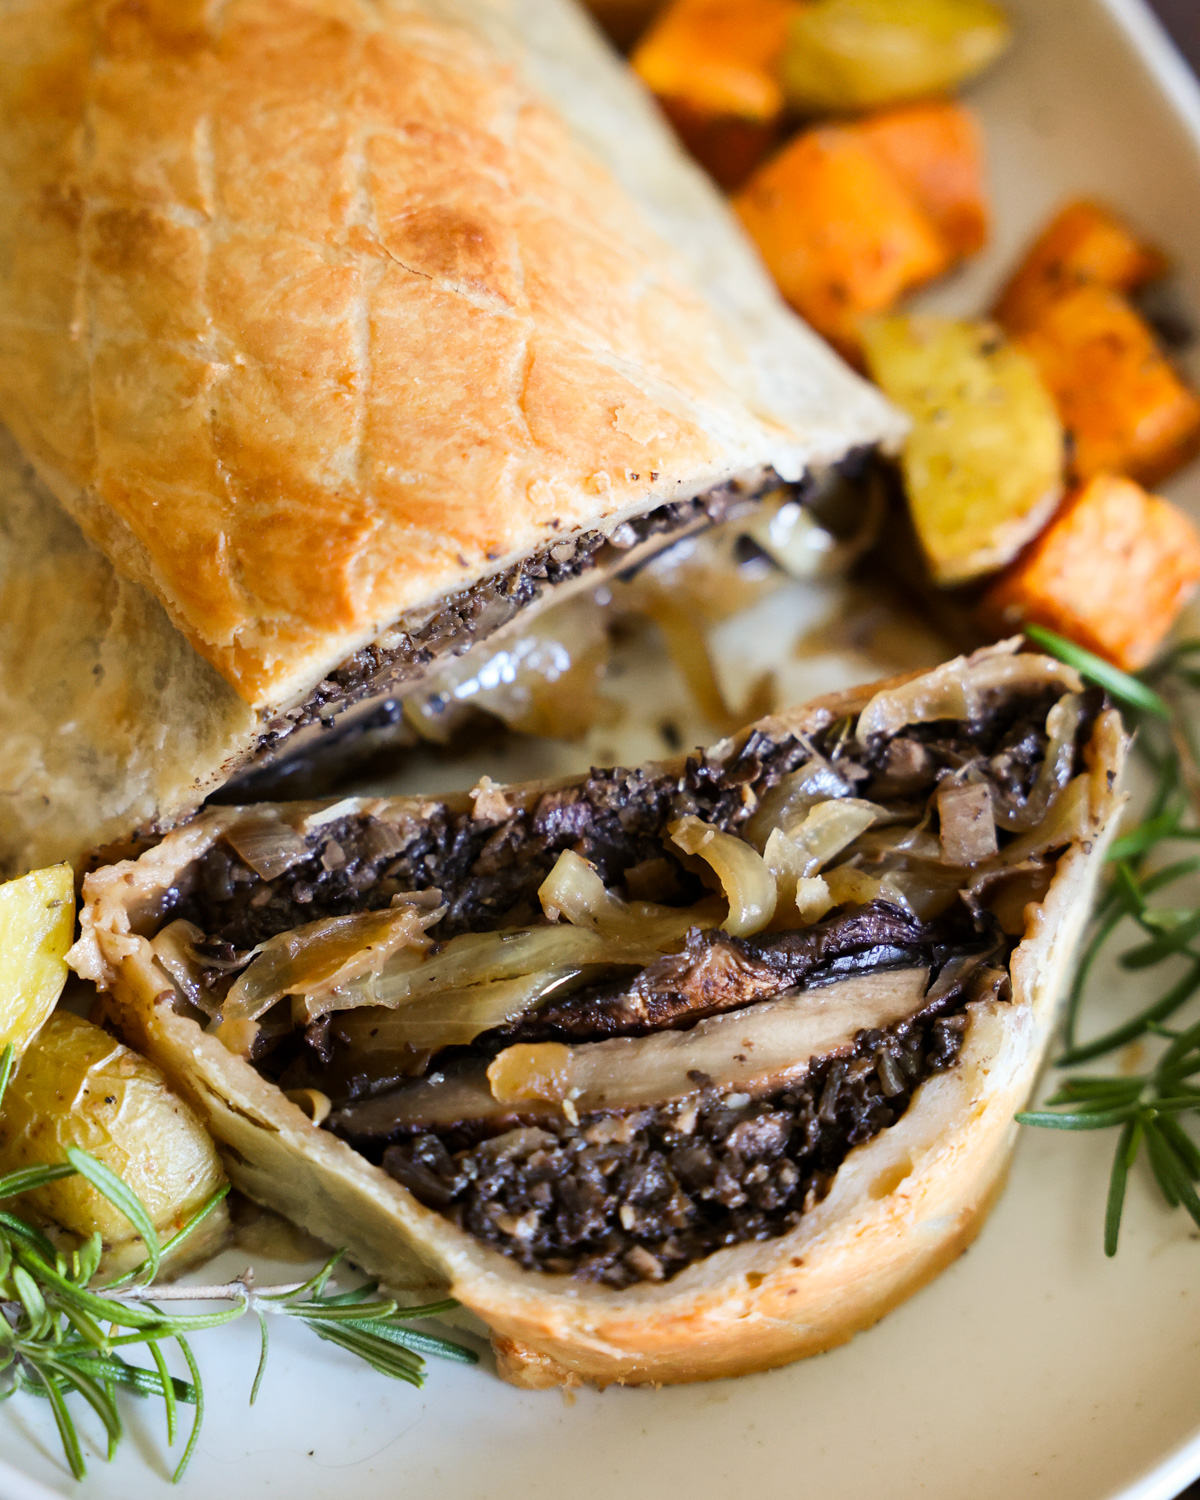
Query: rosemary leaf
{"type": "Point", "coordinates": [1182, 1144]}
{"type": "Point", "coordinates": [168, 1388]}
{"type": "Point", "coordinates": [68, 1435]}
{"type": "Point", "coordinates": [1077, 1119]}
{"type": "Point", "coordinates": [7, 1063]}
{"type": "Point", "coordinates": [1129, 1031]}
{"type": "Point", "coordinates": [1174, 940]}
{"type": "Point", "coordinates": [1172, 1168]}
{"type": "Point", "coordinates": [1127, 690]}
{"type": "Point", "coordinates": [418, 1342]}
{"type": "Point", "coordinates": [262, 1358]}
{"type": "Point", "coordinates": [198, 1405]}
{"type": "Point", "coordinates": [1123, 1158]}
{"type": "Point", "coordinates": [106, 1181]}
{"type": "Point", "coordinates": [28, 1179]}
{"type": "Point", "coordinates": [53, 1338]}
{"type": "Point", "coordinates": [1159, 1165]}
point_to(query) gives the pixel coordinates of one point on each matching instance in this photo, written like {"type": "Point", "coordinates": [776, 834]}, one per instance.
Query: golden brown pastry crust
{"type": "Point", "coordinates": [313, 310]}
{"type": "Point", "coordinates": [107, 715]}
{"type": "Point", "coordinates": [901, 1207]}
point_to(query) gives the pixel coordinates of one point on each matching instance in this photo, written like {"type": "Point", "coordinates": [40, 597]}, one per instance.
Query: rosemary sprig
{"type": "Point", "coordinates": [1148, 1109]}
{"type": "Point", "coordinates": [62, 1336]}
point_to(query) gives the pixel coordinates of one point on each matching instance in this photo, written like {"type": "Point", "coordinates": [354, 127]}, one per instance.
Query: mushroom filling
{"type": "Point", "coordinates": [404, 653]}
{"type": "Point", "coordinates": [637, 1196]}
{"type": "Point", "coordinates": [611, 1027]}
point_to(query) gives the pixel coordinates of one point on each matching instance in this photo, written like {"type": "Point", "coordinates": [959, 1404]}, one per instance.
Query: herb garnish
{"type": "Point", "coordinates": [1149, 1108]}
{"type": "Point", "coordinates": [53, 1341]}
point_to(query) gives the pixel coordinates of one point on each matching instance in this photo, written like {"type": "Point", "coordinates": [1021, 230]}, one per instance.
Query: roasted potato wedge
{"type": "Point", "coordinates": [849, 55]}
{"type": "Point", "coordinates": [983, 463]}
{"type": "Point", "coordinates": [37, 923]}
{"type": "Point", "coordinates": [1113, 570]}
{"type": "Point", "coordinates": [78, 1086]}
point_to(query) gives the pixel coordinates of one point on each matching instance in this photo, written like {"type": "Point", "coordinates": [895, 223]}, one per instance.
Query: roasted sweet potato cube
{"type": "Point", "coordinates": [936, 149]}
{"type": "Point", "coordinates": [1084, 245]}
{"type": "Point", "coordinates": [718, 57]}
{"type": "Point", "coordinates": [728, 147]}
{"type": "Point", "coordinates": [1125, 407]}
{"type": "Point", "coordinates": [1111, 571]}
{"type": "Point", "coordinates": [839, 231]}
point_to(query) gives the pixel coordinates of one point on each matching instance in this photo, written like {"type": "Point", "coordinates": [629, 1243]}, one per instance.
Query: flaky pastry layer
{"type": "Point", "coordinates": [313, 310]}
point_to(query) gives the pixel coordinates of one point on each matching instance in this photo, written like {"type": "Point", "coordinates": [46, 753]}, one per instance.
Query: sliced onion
{"type": "Point", "coordinates": [545, 680]}
{"type": "Point", "coordinates": [829, 827]}
{"type": "Point", "coordinates": [748, 885]}
{"type": "Point", "coordinates": [317, 957]}
{"type": "Point", "coordinates": [525, 1073]}
{"type": "Point", "coordinates": [482, 980]}
{"type": "Point", "coordinates": [174, 947]}
{"type": "Point", "coordinates": [849, 886]}
{"type": "Point", "coordinates": [813, 899]}
{"type": "Point", "coordinates": [757, 1050]}
{"type": "Point", "coordinates": [574, 890]}
{"type": "Point", "coordinates": [790, 799]}
{"type": "Point", "coordinates": [926, 891]}
{"type": "Point", "coordinates": [452, 1017]}
{"type": "Point", "coordinates": [1062, 728]}
{"type": "Point", "coordinates": [267, 844]}
{"type": "Point", "coordinates": [1068, 820]}
{"type": "Point", "coordinates": [794, 857]}
{"type": "Point", "coordinates": [792, 535]}
{"type": "Point", "coordinates": [478, 958]}
{"type": "Point", "coordinates": [313, 1102]}
{"type": "Point", "coordinates": [958, 690]}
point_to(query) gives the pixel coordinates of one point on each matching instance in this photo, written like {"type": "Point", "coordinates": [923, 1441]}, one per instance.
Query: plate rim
{"type": "Point", "coordinates": [1179, 87]}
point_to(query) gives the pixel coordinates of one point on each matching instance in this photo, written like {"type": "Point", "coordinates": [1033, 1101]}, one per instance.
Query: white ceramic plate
{"type": "Point", "coordinates": [1034, 1367]}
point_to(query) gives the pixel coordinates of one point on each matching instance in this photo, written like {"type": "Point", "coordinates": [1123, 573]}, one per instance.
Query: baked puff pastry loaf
{"type": "Point", "coordinates": [668, 1073]}
{"type": "Point", "coordinates": [347, 330]}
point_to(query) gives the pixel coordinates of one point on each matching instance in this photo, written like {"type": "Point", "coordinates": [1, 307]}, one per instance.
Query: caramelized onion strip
{"type": "Point", "coordinates": [959, 690]}
{"type": "Point", "coordinates": [748, 885]}
{"type": "Point", "coordinates": [320, 956]}
{"type": "Point", "coordinates": [574, 890]}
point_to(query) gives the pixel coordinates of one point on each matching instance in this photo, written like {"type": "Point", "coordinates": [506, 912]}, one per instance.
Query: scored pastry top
{"type": "Point", "coordinates": [313, 310]}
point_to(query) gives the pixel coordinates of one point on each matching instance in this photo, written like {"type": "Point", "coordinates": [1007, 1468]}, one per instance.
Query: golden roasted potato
{"type": "Point", "coordinates": [983, 464]}
{"type": "Point", "coordinates": [849, 55]}
{"type": "Point", "coordinates": [78, 1086]}
{"type": "Point", "coordinates": [37, 923]}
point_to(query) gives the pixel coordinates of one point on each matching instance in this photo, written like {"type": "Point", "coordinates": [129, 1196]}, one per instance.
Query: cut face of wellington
{"type": "Point", "coordinates": [667, 1071]}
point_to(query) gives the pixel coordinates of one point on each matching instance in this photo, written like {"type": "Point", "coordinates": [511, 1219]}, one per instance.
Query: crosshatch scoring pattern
{"type": "Point", "coordinates": [316, 274]}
